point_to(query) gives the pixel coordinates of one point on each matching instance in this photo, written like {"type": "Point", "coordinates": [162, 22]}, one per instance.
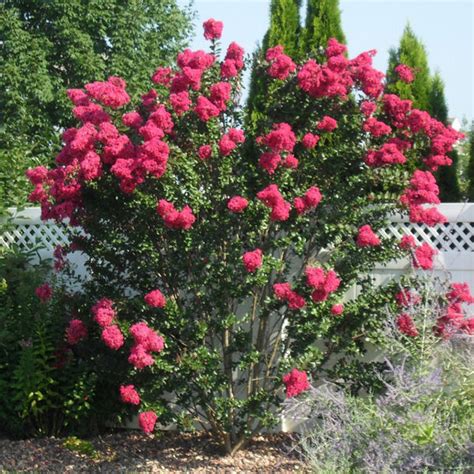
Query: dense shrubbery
{"type": "Point", "coordinates": [220, 257]}
{"type": "Point", "coordinates": [44, 390]}
{"type": "Point", "coordinates": [424, 418]}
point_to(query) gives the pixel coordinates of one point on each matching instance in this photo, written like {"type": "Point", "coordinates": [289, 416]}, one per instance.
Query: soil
{"type": "Point", "coordinates": [134, 452]}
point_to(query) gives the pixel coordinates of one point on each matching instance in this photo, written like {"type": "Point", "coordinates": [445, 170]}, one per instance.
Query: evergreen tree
{"type": "Point", "coordinates": [47, 47]}
{"type": "Point", "coordinates": [470, 167]}
{"type": "Point", "coordinates": [446, 176]}
{"type": "Point", "coordinates": [285, 30]}
{"type": "Point", "coordinates": [323, 21]}
{"type": "Point", "coordinates": [411, 52]}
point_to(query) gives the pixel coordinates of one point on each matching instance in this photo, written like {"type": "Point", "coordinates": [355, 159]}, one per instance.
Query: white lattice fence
{"type": "Point", "coordinates": [454, 240]}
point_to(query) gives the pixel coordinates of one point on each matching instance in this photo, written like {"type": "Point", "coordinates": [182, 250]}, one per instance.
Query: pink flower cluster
{"type": "Point", "coordinates": [310, 200]}
{"type": "Point", "coordinates": [406, 325]}
{"type": "Point", "coordinates": [237, 204]}
{"type": "Point", "coordinates": [323, 283]}
{"type": "Point", "coordinates": [388, 154]}
{"type": "Point", "coordinates": [229, 141]}
{"type": "Point", "coordinates": [406, 297]}
{"type": "Point", "coordinates": [128, 394]}
{"type": "Point", "coordinates": [422, 255]}
{"type": "Point", "coordinates": [174, 219]}
{"type": "Point", "coordinates": [233, 61]}
{"type": "Point", "coordinates": [327, 124]}
{"type": "Point", "coordinates": [281, 65]}
{"type": "Point", "coordinates": [296, 382]}
{"type": "Point", "coordinates": [367, 238]}
{"type": "Point", "coordinates": [147, 421]}
{"type": "Point", "coordinates": [309, 140]}
{"type": "Point", "coordinates": [284, 292]}
{"type": "Point", "coordinates": [155, 299]}
{"type": "Point", "coordinates": [104, 312]}
{"type": "Point", "coordinates": [76, 332]}
{"type": "Point", "coordinates": [272, 198]}
{"type": "Point", "coordinates": [147, 341]}
{"type": "Point", "coordinates": [252, 260]}
{"type": "Point", "coordinates": [212, 29]}
{"type": "Point", "coordinates": [111, 93]}
{"type": "Point", "coordinates": [104, 315]}
{"type": "Point", "coordinates": [422, 190]}
{"type": "Point", "coordinates": [376, 127]}
{"type": "Point", "coordinates": [405, 73]}
{"type": "Point", "coordinates": [44, 292]}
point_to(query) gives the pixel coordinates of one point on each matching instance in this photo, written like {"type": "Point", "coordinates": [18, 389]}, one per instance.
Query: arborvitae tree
{"type": "Point", "coordinates": [47, 47]}
{"type": "Point", "coordinates": [411, 52]}
{"type": "Point", "coordinates": [284, 29]}
{"type": "Point", "coordinates": [470, 167]}
{"type": "Point", "coordinates": [446, 175]}
{"type": "Point", "coordinates": [323, 21]}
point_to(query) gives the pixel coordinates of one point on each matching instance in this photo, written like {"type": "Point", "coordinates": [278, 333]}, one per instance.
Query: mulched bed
{"type": "Point", "coordinates": [135, 452]}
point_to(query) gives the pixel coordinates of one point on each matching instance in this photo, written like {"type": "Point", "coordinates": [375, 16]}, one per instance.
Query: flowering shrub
{"type": "Point", "coordinates": [218, 256]}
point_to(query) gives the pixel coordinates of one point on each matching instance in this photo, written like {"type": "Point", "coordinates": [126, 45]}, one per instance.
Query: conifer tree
{"type": "Point", "coordinates": [411, 52]}
{"type": "Point", "coordinates": [285, 30]}
{"type": "Point", "coordinates": [446, 175]}
{"type": "Point", "coordinates": [323, 21]}
{"type": "Point", "coordinates": [470, 167]}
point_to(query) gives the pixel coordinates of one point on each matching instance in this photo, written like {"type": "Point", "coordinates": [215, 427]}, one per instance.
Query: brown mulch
{"type": "Point", "coordinates": [134, 452]}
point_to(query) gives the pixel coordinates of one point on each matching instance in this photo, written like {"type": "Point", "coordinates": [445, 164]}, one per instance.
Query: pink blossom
{"type": "Point", "coordinates": [112, 337]}
{"type": "Point", "coordinates": [205, 109]}
{"type": "Point", "coordinates": [367, 238]}
{"type": "Point", "coordinates": [423, 257]}
{"type": "Point", "coordinates": [132, 119]}
{"type": "Point", "coordinates": [44, 292]}
{"type": "Point", "coordinates": [309, 140]}
{"type": "Point", "coordinates": [376, 128]}
{"type": "Point", "coordinates": [162, 76]}
{"type": "Point", "coordinates": [140, 358]}
{"type": "Point", "coordinates": [103, 312]}
{"type": "Point", "coordinates": [269, 161]}
{"type": "Point", "coordinates": [237, 204]}
{"type": "Point", "coordinates": [406, 325]}
{"type": "Point", "coordinates": [281, 138]}
{"type": "Point", "coordinates": [368, 108]}
{"type": "Point", "coordinates": [252, 260]}
{"type": "Point", "coordinates": [405, 73]}
{"type": "Point", "coordinates": [205, 152]}
{"type": "Point", "coordinates": [212, 29]}
{"type": "Point", "coordinates": [76, 331]}
{"type": "Point", "coordinates": [327, 124]}
{"type": "Point", "coordinates": [128, 394]}
{"type": "Point", "coordinates": [296, 382]}
{"type": "Point", "coordinates": [173, 218]}
{"type": "Point", "coordinates": [111, 93]}
{"type": "Point", "coordinates": [155, 299]}
{"type": "Point", "coordinates": [226, 145]}
{"type": "Point", "coordinates": [147, 421]}
{"type": "Point", "coordinates": [407, 242]}
{"type": "Point", "coordinates": [180, 102]}
{"type": "Point", "coordinates": [337, 309]}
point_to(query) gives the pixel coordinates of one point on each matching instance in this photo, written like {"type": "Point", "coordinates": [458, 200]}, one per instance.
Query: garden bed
{"type": "Point", "coordinates": [136, 452]}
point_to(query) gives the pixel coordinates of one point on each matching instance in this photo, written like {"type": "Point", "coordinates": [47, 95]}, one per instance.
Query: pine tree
{"type": "Point", "coordinates": [411, 52]}
{"type": "Point", "coordinates": [285, 30]}
{"type": "Point", "coordinates": [323, 21]}
{"type": "Point", "coordinates": [446, 176]}
{"type": "Point", "coordinates": [470, 167]}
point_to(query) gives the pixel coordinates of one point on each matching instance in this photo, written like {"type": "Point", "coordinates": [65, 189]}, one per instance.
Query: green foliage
{"type": "Point", "coordinates": [81, 446]}
{"type": "Point", "coordinates": [44, 389]}
{"type": "Point", "coordinates": [470, 167]}
{"type": "Point", "coordinates": [411, 52]}
{"type": "Point", "coordinates": [285, 30]}
{"type": "Point", "coordinates": [323, 21]}
{"type": "Point", "coordinates": [48, 47]}
{"type": "Point", "coordinates": [447, 176]}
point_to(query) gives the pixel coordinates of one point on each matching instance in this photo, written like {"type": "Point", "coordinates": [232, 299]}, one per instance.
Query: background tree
{"type": "Point", "coordinates": [323, 21]}
{"type": "Point", "coordinates": [447, 175]}
{"type": "Point", "coordinates": [411, 52]}
{"type": "Point", "coordinates": [470, 167]}
{"type": "Point", "coordinates": [47, 47]}
{"type": "Point", "coordinates": [284, 29]}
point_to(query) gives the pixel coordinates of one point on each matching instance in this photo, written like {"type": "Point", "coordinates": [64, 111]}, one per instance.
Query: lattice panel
{"type": "Point", "coordinates": [449, 237]}
{"type": "Point", "coordinates": [29, 236]}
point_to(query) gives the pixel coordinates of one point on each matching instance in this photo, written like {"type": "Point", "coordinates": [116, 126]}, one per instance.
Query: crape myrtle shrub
{"type": "Point", "coordinates": [220, 257]}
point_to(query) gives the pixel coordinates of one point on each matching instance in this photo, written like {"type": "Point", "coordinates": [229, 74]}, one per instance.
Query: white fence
{"type": "Point", "coordinates": [453, 240]}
